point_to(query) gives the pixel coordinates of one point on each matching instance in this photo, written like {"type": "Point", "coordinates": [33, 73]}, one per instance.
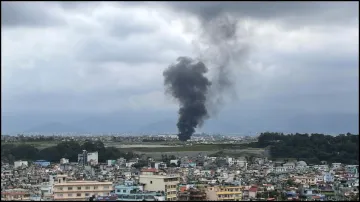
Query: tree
{"type": "Point", "coordinates": [68, 149]}
{"type": "Point", "coordinates": [221, 162]}
{"type": "Point", "coordinates": [140, 164]}
{"type": "Point", "coordinates": [290, 182]}
{"type": "Point", "coordinates": [313, 148]}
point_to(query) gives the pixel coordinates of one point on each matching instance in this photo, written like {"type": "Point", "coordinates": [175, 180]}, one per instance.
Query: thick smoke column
{"type": "Point", "coordinates": [222, 47]}
{"type": "Point", "coordinates": [186, 82]}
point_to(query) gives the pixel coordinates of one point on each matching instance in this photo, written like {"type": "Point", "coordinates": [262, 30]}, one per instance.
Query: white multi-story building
{"type": "Point", "coordinates": [160, 165]}
{"type": "Point", "coordinates": [20, 163]}
{"type": "Point", "coordinates": [64, 161]}
{"type": "Point", "coordinates": [93, 157]}
{"type": "Point", "coordinates": [155, 181]}
{"type": "Point", "coordinates": [241, 162]}
{"type": "Point", "coordinates": [321, 167]}
{"type": "Point", "coordinates": [336, 165]}
{"type": "Point", "coordinates": [88, 157]}
{"type": "Point", "coordinates": [280, 169]}
{"type": "Point", "coordinates": [289, 166]}
{"type": "Point", "coordinates": [230, 161]}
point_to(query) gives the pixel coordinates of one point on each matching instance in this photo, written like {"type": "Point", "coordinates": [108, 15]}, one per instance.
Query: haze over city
{"type": "Point", "coordinates": [98, 67]}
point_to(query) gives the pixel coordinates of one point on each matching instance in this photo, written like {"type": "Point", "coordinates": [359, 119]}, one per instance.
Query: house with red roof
{"type": "Point", "coordinates": [253, 191]}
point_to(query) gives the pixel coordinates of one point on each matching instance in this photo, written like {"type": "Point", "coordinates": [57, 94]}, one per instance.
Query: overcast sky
{"type": "Point", "coordinates": [108, 57]}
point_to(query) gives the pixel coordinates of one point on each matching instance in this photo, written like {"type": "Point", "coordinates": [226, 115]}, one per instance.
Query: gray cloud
{"type": "Point", "coordinates": [77, 5]}
{"type": "Point", "coordinates": [107, 50]}
{"type": "Point", "coordinates": [126, 28]}
{"type": "Point", "coordinates": [292, 13]}
{"type": "Point", "coordinates": [108, 57]}
{"type": "Point", "coordinates": [28, 14]}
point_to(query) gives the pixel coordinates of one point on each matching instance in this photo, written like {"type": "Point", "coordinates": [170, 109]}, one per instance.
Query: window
{"type": "Point", "coordinates": [124, 191]}
{"type": "Point", "coordinates": [87, 194]}
{"type": "Point", "coordinates": [79, 188]}
{"type": "Point", "coordinates": [69, 188]}
{"type": "Point", "coordinates": [60, 188]}
{"type": "Point", "coordinates": [70, 194]}
{"type": "Point", "coordinates": [150, 182]}
{"type": "Point", "coordinates": [87, 188]}
{"type": "Point", "coordinates": [59, 195]}
{"type": "Point", "coordinates": [106, 187]}
{"type": "Point", "coordinates": [118, 190]}
{"type": "Point", "coordinates": [78, 194]}
{"type": "Point", "coordinates": [95, 187]}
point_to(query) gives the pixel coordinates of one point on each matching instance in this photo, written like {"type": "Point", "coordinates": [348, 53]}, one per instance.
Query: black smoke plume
{"type": "Point", "coordinates": [222, 48]}
{"type": "Point", "coordinates": [186, 82]}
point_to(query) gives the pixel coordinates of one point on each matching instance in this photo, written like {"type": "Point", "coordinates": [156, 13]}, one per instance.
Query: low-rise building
{"type": "Point", "coordinates": [15, 195]}
{"type": "Point", "coordinates": [224, 193]}
{"type": "Point", "coordinates": [192, 194]}
{"type": "Point", "coordinates": [20, 163]}
{"type": "Point", "coordinates": [42, 163]}
{"type": "Point", "coordinates": [79, 190]}
{"type": "Point", "coordinates": [64, 161]}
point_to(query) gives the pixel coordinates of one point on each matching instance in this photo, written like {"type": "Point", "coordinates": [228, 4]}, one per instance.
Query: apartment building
{"type": "Point", "coordinates": [309, 180]}
{"type": "Point", "coordinates": [131, 192]}
{"type": "Point", "coordinates": [79, 190]}
{"type": "Point", "coordinates": [191, 194]}
{"type": "Point", "coordinates": [224, 193]}
{"type": "Point", "coordinates": [15, 195]}
{"type": "Point", "coordinates": [153, 180]}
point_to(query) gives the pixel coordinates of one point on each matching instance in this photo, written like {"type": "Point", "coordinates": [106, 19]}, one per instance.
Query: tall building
{"type": "Point", "coordinates": [82, 158]}
{"type": "Point", "coordinates": [79, 190]}
{"type": "Point", "coordinates": [88, 157]}
{"type": "Point", "coordinates": [153, 180]}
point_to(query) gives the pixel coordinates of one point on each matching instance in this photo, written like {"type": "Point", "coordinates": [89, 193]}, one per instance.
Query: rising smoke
{"type": "Point", "coordinates": [187, 81]}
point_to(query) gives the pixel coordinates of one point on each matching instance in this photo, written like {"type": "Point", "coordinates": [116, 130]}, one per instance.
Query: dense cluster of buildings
{"type": "Point", "coordinates": [197, 178]}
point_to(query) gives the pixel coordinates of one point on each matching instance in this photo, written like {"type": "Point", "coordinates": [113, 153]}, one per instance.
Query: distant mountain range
{"type": "Point", "coordinates": [162, 122]}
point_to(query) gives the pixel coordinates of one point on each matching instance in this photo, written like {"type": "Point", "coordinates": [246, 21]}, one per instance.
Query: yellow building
{"type": "Point", "coordinates": [15, 195]}
{"type": "Point", "coordinates": [79, 190]}
{"type": "Point", "coordinates": [155, 181]}
{"type": "Point", "coordinates": [309, 180]}
{"type": "Point", "coordinates": [224, 193]}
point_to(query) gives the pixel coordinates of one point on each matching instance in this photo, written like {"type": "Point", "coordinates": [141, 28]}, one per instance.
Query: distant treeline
{"type": "Point", "coordinates": [68, 149]}
{"type": "Point", "coordinates": [312, 148]}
